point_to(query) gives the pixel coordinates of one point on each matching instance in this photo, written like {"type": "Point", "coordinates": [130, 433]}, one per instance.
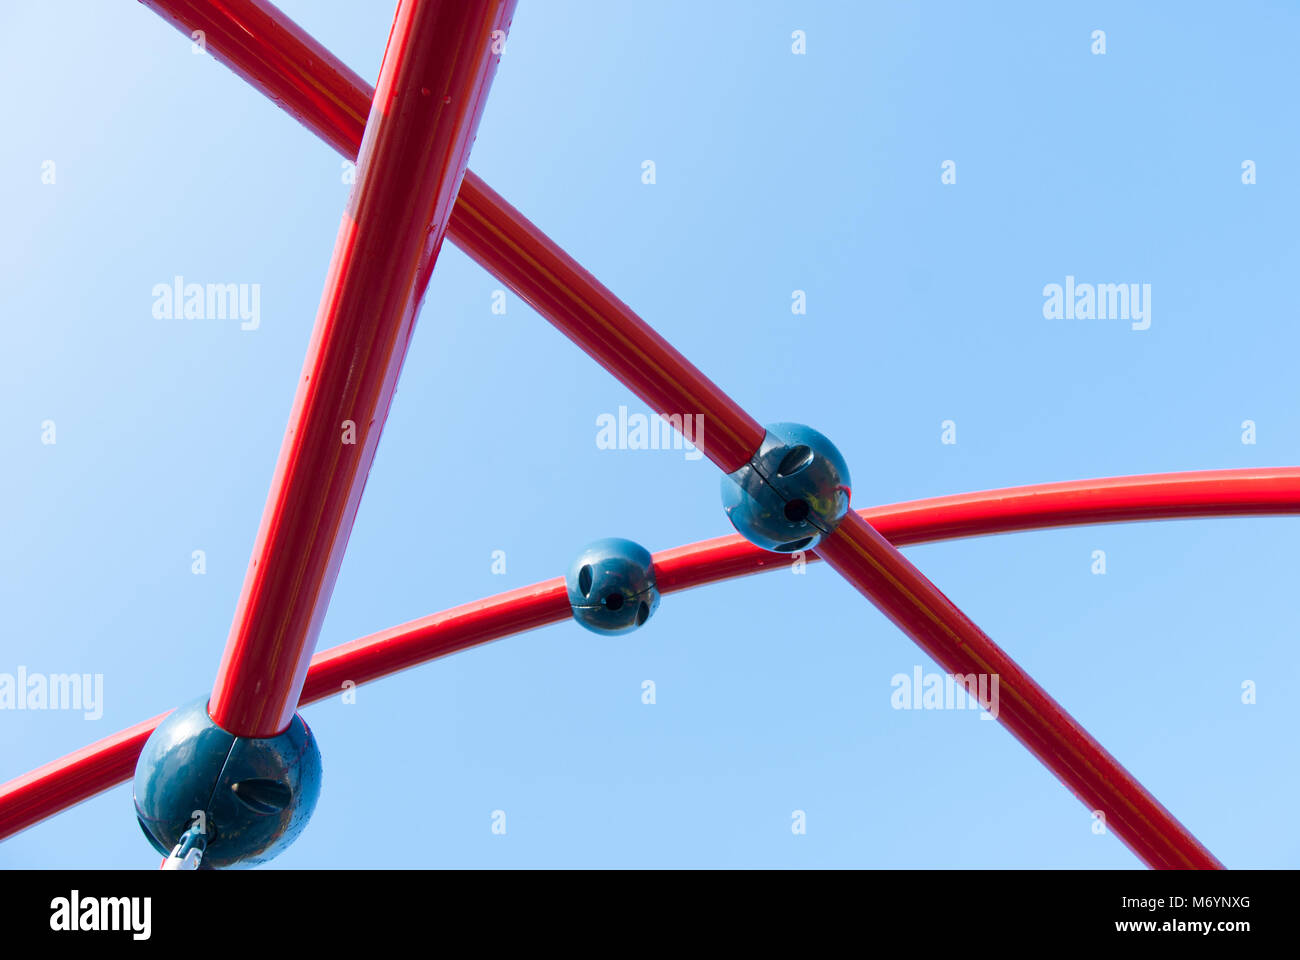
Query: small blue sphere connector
{"type": "Point", "coordinates": [242, 799]}
{"type": "Point", "coordinates": [792, 493]}
{"type": "Point", "coordinates": [612, 586]}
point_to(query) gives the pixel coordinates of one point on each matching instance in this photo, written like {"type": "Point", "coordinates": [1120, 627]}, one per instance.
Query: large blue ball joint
{"type": "Point", "coordinates": [792, 493]}
{"type": "Point", "coordinates": [254, 795]}
{"type": "Point", "coordinates": [612, 587]}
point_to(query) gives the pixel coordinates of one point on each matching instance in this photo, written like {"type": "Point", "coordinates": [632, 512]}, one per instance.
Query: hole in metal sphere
{"type": "Point", "coordinates": [793, 545]}
{"type": "Point", "coordinates": [794, 461]}
{"type": "Point", "coordinates": [796, 511]}
{"type": "Point", "coordinates": [584, 580]}
{"type": "Point", "coordinates": [614, 601]}
{"type": "Point", "coordinates": [642, 613]}
{"type": "Point", "coordinates": [263, 795]}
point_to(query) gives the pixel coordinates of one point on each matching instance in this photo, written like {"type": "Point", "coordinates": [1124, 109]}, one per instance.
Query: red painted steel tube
{"type": "Point", "coordinates": [432, 87]}
{"type": "Point", "coordinates": [886, 578]}
{"type": "Point", "coordinates": [1154, 496]}
{"type": "Point", "coordinates": [505, 242]}
{"type": "Point", "coordinates": [280, 59]}
{"type": "Point", "coordinates": [1260, 491]}
{"type": "Point", "coordinates": [65, 782]}
{"type": "Point", "coordinates": [428, 638]}
{"type": "Point", "coordinates": [1276, 490]}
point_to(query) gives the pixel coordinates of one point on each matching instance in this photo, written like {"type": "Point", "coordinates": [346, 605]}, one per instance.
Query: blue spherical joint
{"type": "Point", "coordinates": [255, 795]}
{"type": "Point", "coordinates": [792, 493]}
{"type": "Point", "coordinates": [611, 586]}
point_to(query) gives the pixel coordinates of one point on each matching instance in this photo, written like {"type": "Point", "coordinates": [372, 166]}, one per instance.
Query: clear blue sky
{"type": "Point", "coordinates": [775, 173]}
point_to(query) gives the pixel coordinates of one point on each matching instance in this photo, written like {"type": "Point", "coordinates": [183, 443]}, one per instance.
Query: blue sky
{"type": "Point", "coordinates": [775, 172]}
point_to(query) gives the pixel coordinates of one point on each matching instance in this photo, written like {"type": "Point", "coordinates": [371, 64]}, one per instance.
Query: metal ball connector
{"type": "Point", "coordinates": [792, 493]}
{"type": "Point", "coordinates": [247, 798]}
{"type": "Point", "coordinates": [611, 586]}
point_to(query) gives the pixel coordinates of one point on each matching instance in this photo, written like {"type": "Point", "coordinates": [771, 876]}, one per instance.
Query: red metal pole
{"type": "Point", "coordinates": [1255, 491]}
{"type": "Point", "coordinates": [432, 87]}
{"type": "Point", "coordinates": [65, 782]}
{"type": "Point", "coordinates": [276, 56]}
{"type": "Point", "coordinates": [280, 59]}
{"type": "Point", "coordinates": [1275, 490]}
{"type": "Point", "coordinates": [439, 635]}
{"type": "Point", "coordinates": [508, 244]}
{"type": "Point", "coordinates": [901, 592]}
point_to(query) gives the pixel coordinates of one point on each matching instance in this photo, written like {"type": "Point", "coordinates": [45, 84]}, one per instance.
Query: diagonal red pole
{"type": "Point", "coordinates": [590, 315]}
{"type": "Point", "coordinates": [57, 785]}
{"type": "Point", "coordinates": [890, 581]}
{"type": "Point", "coordinates": [432, 87]}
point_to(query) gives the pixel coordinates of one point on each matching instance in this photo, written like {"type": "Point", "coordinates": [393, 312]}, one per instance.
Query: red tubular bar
{"type": "Point", "coordinates": [505, 242]}
{"type": "Point", "coordinates": [1255, 491]}
{"type": "Point", "coordinates": [432, 87]}
{"type": "Point", "coordinates": [901, 592]}
{"type": "Point", "coordinates": [435, 636]}
{"type": "Point", "coordinates": [281, 60]}
{"type": "Point", "coordinates": [1276, 490]}
{"type": "Point", "coordinates": [1154, 496]}
{"type": "Point", "coordinates": [65, 782]}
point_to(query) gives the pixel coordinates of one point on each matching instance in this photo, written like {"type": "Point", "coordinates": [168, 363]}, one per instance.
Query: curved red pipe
{"type": "Point", "coordinates": [78, 776]}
